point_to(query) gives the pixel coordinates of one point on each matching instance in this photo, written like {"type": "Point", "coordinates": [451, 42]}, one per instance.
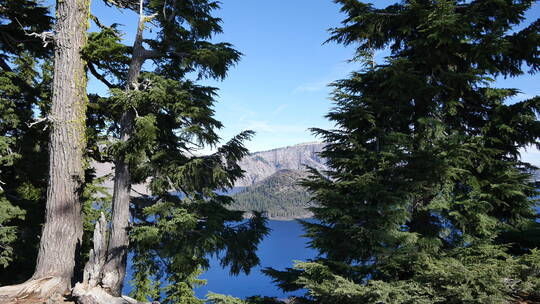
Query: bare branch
{"type": "Point", "coordinates": [37, 121]}
{"type": "Point", "coordinates": [136, 113]}
{"type": "Point", "coordinates": [46, 37]}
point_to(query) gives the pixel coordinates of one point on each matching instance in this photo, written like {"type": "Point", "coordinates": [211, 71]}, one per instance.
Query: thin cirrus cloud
{"type": "Point", "coordinates": [280, 109]}
{"type": "Point", "coordinates": [265, 127]}
{"type": "Point", "coordinates": [312, 87]}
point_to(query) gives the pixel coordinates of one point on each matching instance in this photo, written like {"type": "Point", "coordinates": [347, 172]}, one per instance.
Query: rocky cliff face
{"type": "Point", "coordinates": [260, 165]}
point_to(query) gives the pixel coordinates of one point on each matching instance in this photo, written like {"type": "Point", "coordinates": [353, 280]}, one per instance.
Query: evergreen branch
{"type": "Point", "coordinates": [99, 24]}
{"type": "Point", "coordinates": [131, 4]}
{"type": "Point", "coordinates": [139, 193]}
{"type": "Point", "coordinates": [153, 54]}
{"type": "Point", "coordinates": [100, 77]}
{"type": "Point", "coordinates": [5, 66]}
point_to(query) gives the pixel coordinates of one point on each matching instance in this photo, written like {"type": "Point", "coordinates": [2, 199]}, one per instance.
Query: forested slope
{"type": "Point", "coordinates": [279, 196]}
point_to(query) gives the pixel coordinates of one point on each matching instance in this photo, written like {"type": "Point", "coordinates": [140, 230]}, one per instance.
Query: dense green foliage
{"type": "Point", "coordinates": [24, 81]}
{"type": "Point", "coordinates": [426, 200]}
{"type": "Point", "coordinates": [213, 298]}
{"type": "Point", "coordinates": [278, 196]}
{"type": "Point", "coordinates": [426, 178]}
{"type": "Point", "coordinates": [173, 235]}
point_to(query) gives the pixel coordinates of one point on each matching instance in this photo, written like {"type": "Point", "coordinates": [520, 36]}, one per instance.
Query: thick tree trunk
{"type": "Point", "coordinates": [62, 231]}
{"type": "Point", "coordinates": [115, 268]}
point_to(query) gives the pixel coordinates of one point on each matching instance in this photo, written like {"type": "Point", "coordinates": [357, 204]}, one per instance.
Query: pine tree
{"type": "Point", "coordinates": [158, 119]}
{"type": "Point", "coordinates": [426, 178]}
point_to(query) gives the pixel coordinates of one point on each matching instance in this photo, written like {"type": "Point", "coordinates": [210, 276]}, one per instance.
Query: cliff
{"type": "Point", "coordinates": [260, 165]}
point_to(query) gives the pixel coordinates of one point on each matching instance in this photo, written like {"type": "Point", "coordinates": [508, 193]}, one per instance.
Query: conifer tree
{"type": "Point", "coordinates": [159, 119]}
{"type": "Point", "coordinates": [426, 178]}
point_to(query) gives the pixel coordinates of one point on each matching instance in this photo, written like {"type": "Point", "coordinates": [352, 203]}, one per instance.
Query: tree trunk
{"type": "Point", "coordinates": [89, 291]}
{"type": "Point", "coordinates": [115, 268]}
{"type": "Point", "coordinates": [62, 232]}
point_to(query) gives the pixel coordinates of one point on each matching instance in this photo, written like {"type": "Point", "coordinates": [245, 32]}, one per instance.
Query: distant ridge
{"type": "Point", "coordinates": [270, 184]}
{"type": "Point", "coordinates": [260, 165]}
{"type": "Point", "coordinates": [278, 196]}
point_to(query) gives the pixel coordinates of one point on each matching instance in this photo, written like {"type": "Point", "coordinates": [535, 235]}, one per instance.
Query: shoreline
{"type": "Point", "coordinates": [283, 218]}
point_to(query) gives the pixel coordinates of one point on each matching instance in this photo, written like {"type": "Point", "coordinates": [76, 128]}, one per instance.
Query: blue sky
{"type": "Point", "coordinates": [279, 89]}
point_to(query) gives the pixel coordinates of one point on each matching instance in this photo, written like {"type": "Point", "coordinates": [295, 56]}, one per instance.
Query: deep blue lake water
{"type": "Point", "coordinates": [279, 249]}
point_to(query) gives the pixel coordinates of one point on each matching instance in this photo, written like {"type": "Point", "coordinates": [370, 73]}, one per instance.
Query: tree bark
{"type": "Point", "coordinates": [62, 232]}
{"type": "Point", "coordinates": [115, 268]}
{"type": "Point", "coordinates": [89, 291]}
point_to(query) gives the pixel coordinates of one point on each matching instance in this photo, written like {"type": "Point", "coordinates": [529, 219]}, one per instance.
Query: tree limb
{"type": "Point", "coordinates": [100, 77]}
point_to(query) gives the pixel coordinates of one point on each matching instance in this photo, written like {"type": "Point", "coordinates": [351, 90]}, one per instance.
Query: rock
{"type": "Point", "coordinates": [260, 165]}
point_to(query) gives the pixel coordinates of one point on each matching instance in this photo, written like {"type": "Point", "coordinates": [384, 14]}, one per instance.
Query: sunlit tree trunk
{"type": "Point", "coordinates": [62, 232]}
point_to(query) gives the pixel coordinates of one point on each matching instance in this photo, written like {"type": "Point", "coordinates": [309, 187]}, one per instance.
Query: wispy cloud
{"type": "Point", "coordinates": [337, 71]}
{"type": "Point", "coordinates": [265, 127]}
{"type": "Point", "coordinates": [312, 87]}
{"type": "Point", "coordinates": [525, 96]}
{"type": "Point", "coordinates": [280, 109]}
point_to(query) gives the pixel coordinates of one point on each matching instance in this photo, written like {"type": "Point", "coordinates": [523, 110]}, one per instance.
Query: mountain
{"type": "Point", "coordinates": [278, 196]}
{"type": "Point", "coordinates": [260, 165]}
{"type": "Point", "coordinates": [269, 183]}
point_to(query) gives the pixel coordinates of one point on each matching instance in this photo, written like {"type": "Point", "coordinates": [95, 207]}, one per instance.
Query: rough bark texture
{"type": "Point", "coordinates": [90, 291]}
{"type": "Point", "coordinates": [115, 267]}
{"type": "Point", "coordinates": [62, 231]}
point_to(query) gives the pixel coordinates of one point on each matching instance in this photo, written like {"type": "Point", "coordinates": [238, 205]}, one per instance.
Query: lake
{"type": "Point", "coordinates": [279, 249]}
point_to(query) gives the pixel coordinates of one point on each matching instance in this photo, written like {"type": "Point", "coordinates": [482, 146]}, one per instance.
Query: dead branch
{"type": "Point", "coordinates": [46, 37]}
